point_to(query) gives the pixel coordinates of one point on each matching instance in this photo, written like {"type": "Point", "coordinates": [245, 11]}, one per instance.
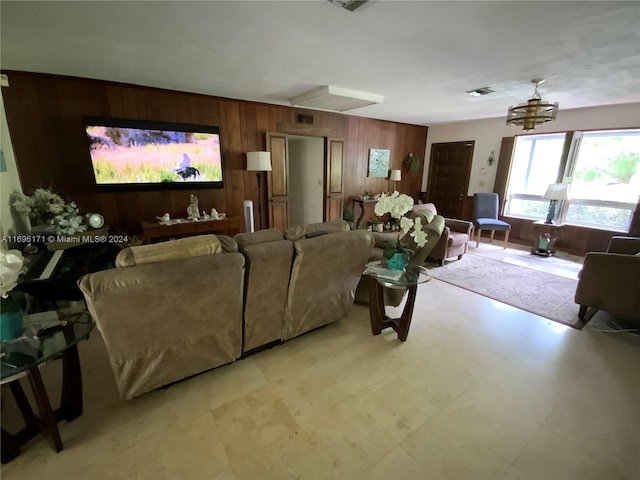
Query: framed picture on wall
{"type": "Point", "coordinates": [378, 162]}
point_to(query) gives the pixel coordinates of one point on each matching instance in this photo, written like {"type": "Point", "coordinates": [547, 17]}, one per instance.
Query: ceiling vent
{"type": "Point", "coordinates": [350, 5]}
{"type": "Point", "coordinates": [478, 92]}
{"type": "Point", "coordinates": [335, 98]}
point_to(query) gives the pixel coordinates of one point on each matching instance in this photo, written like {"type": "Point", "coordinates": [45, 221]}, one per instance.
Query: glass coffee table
{"type": "Point", "coordinates": [47, 336]}
{"type": "Point", "coordinates": [381, 278]}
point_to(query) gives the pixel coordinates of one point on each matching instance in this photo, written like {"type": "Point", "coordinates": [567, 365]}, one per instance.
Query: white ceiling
{"type": "Point", "coordinates": [422, 56]}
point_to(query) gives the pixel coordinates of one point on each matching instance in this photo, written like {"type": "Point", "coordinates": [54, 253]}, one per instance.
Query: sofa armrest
{"type": "Point", "coordinates": [461, 226]}
{"type": "Point", "coordinates": [610, 282]}
{"type": "Point", "coordinates": [624, 245]}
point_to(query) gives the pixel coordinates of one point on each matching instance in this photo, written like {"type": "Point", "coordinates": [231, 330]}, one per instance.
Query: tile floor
{"type": "Point", "coordinates": [480, 390]}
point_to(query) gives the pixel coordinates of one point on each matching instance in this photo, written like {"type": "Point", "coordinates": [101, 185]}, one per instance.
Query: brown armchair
{"type": "Point", "coordinates": [611, 281]}
{"type": "Point", "coordinates": [455, 237]}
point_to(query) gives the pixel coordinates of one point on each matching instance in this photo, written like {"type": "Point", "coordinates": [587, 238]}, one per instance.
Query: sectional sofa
{"type": "Point", "coordinates": [175, 309]}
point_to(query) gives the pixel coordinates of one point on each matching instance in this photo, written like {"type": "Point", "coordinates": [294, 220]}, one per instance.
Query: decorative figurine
{"type": "Point", "coordinates": [164, 218]}
{"type": "Point", "coordinates": [214, 214]}
{"type": "Point", "coordinates": [193, 213]}
{"type": "Point", "coordinates": [205, 215]}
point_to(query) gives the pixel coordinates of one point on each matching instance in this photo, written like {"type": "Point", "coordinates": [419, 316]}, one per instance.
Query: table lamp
{"type": "Point", "coordinates": [395, 176]}
{"type": "Point", "coordinates": [259, 162]}
{"type": "Point", "coordinates": [555, 192]}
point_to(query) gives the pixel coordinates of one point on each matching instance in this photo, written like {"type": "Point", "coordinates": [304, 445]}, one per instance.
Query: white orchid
{"type": "Point", "coordinates": [397, 205]}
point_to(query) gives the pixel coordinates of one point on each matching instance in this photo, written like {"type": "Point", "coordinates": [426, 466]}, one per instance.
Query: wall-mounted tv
{"type": "Point", "coordinates": [153, 155]}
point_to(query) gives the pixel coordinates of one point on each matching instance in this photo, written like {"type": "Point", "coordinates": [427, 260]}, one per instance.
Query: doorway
{"type": "Point", "coordinates": [449, 171]}
{"type": "Point", "coordinates": [306, 179]}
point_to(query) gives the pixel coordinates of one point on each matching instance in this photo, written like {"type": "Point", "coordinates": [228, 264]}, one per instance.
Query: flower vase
{"type": "Point", "coordinates": [397, 261]}
{"type": "Point", "coordinates": [10, 325]}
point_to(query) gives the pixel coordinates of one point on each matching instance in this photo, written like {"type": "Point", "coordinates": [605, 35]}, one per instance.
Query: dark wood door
{"type": "Point", "coordinates": [278, 181]}
{"type": "Point", "coordinates": [334, 196]}
{"type": "Point", "coordinates": [449, 171]}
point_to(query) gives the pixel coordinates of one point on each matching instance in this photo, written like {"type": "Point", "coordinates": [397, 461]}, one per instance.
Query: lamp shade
{"type": "Point", "coordinates": [557, 191]}
{"type": "Point", "coordinates": [396, 175]}
{"type": "Point", "coordinates": [259, 161]}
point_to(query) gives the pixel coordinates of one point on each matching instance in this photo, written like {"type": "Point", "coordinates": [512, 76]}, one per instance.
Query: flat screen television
{"type": "Point", "coordinates": [134, 154]}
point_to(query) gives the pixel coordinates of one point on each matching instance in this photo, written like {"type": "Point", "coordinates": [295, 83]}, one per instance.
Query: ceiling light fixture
{"type": "Point", "coordinates": [535, 112]}
{"type": "Point", "coordinates": [335, 98]}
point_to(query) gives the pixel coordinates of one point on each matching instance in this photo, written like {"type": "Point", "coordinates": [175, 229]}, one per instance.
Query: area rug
{"type": "Point", "coordinates": [544, 294]}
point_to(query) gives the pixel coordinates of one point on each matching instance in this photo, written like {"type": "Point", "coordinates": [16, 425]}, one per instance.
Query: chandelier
{"type": "Point", "coordinates": [535, 112]}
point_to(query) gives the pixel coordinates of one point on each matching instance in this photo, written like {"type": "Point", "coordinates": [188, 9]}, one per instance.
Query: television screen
{"type": "Point", "coordinates": [153, 154]}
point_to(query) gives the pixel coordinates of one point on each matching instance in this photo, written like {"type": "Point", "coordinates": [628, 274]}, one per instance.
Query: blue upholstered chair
{"type": "Point", "coordinates": [485, 216]}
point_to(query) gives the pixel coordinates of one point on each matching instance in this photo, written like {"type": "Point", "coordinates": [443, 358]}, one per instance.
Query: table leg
{"type": "Point", "coordinates": [376, 306]}
{"type": "Point", "coordinates": [378, 317]}
{"type": "Point", "coordinates": [50, 425]}
{"type": "Point", "coordinates": [71, 398]}
{"type": "Point", "coordinates": [407, 314]}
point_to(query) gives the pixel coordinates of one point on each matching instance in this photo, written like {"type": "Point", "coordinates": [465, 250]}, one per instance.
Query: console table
{"type": "Point", "coordinates": [551, 231]}
{"type": "Point", "coordinates": [154, 230]}
{"type": "Point", "coordinates": [366, 209]}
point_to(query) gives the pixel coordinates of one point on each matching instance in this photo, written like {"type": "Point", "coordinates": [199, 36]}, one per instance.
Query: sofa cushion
{"type": "Point", "coordinates": [261, 236]}
{"type": "Point", "coordinates": [168, 251]}
{"type": "Point", "coordinates": [299, 231]}
{"type": "Point", "coordinates": [457, 238]}
{"type": "Point", "coordinates": [425, 206]}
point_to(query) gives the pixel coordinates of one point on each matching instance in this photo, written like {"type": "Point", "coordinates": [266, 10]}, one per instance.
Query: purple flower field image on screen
{"type": "Point", "coordinates": [130, 155]}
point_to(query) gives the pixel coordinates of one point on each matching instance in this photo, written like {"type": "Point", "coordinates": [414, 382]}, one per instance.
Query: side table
{"type": "Point", "coordinates": [544, 237]}
{"type": "Point", "coordinates": [381, 278]}
{"type": "Point", "coordinates": [23, 357]}
{"type": "Point", "coordinates": [366, 209]}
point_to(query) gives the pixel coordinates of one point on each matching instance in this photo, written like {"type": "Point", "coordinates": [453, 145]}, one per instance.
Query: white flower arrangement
{"type": "Point", "coordinates": [45, 207]}
{"type": "Point", "coordinates": [11, 262]}
{"type": "Point", "coordinates": [397, 205]}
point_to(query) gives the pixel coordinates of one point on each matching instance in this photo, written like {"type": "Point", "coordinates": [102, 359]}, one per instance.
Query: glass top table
{"type": "Point", "coordinates": [381, 278]}
{"type": "Point", "coordinates": [410, 276]}
{"type": "Point", "coordinates": [46, 336]}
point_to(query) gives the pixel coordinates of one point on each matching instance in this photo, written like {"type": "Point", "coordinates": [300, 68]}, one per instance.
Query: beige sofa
{"type": "Point", "coordinates": [611, 281]}
{"type": "Point", "coordinates": [174, 309]}
{"type": "Point", "coordinates": [172, 312]}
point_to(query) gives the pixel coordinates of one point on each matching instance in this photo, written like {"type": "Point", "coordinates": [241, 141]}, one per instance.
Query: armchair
{"type": "Point", "coordinates": [454, 240]}
{"type": "Point", "coordinates": [611, 281]}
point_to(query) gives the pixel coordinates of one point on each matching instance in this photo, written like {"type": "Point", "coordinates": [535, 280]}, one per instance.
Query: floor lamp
{"type": "Point", "coordinates": [259, 162]}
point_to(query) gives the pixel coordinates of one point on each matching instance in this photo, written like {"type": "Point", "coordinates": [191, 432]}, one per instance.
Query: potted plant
{"type": "Point", "coordinates": [12, 301]}
{"type": "Point", "coordinates": [348, 216]}
{"type": "Point", "coordinates": [412, 164]}
{"type": "Point", "coordinates": [397, 255]}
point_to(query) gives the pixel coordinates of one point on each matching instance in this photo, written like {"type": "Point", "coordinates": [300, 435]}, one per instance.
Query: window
{"type": "Point", "coordinates": [535, 165]}
{"type": "Point", "coordinates": [602, 170]}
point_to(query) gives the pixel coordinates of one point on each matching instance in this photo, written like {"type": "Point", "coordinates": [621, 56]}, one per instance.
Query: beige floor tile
{"type": "Point", "coordinates": [397, 465]}
{"type": "Point", "coordinates": [444, 454]}
{"type": "Point", "coordinates": [489, 420]}
{"type": "Point", "coordinates": [397, 406]}
{"type": "Point", "coordinates": [284, 361]}
{"type": "Point", "coordinates": [252, 422]}
{"type": "Point", "coordinates": [548, 455]}
{"type": "Point", "coordinates": [293, 456]}
{"type": "Point", "coordinates": [308, 393]}
{"type": "Point", "coordinates": [192, 450]}
{"type": "Point", "coordinates": [231, 382]}
{"type": "Point", "coordinates": [349, 439]}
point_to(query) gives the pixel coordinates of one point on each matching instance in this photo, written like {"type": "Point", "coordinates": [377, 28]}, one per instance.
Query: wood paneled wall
{"type": "Point", "coordinates": [44, 115]}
